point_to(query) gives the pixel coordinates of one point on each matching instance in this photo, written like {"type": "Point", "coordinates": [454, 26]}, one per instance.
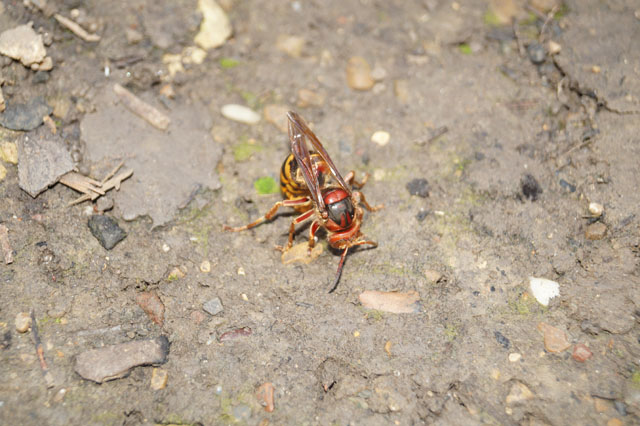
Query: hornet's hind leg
{"type": "Point", "coordinates": [269, 215]}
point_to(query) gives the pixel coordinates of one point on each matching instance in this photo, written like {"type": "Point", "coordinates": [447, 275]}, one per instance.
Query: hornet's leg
{"type": "Point", "coordinates": [286, 203]}
{"type": "Point", "coordinates": [312, 234]}
{"type": "Point", "coordinates": [339, 272]}
{"type": "Point", "coordinates": [342, 258]}
{"type": "Point", "coordinates": [350, 179]}
{"type": "Point", "coordinates": [363, 201]}
{"type": "Point", "coordinates": [292, 229]}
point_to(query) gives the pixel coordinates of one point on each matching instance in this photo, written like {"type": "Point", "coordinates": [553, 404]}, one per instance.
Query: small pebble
{"type": "Point", "coordinates": [536, 53]}
{"type": "Point", "coordinates": [308, 97]}
{"type": "Point", "coordinates": [264, 395]}
{"type": "Point", "coordinates": [419, 187]}
{"type": "Point", "coordinates": [621, 408]}
{"type": "Point", "coordinates": [46, 64]}
{"type": "Point", "coordinates": [553, 47]}
{"type": "Point", "coordinates": [23, 322]}
{"type": "Point", "coordinates": [615, 422]}
{"type": "Point", "coordinates": [23, 44]}
{"type": "Point", "coordinates": [300, 253]}
{"type": "Point", "coordinates": [581, 352]}
{"type": "Point", "coordinates": [359, 74]}
{"type": "Point", "coordinates": [596, 231]}
{"type": "Point", "coordinates": [175, 274]}
{"type": "Point", "coordinates": [205, 266]}
{"type": "Point", "coordinates": [213, 306]}
{"type": "Point", "coordinates": [159, 378]}
{"type": "Point", "coordinates": [501, 339]}
{"type": "Point", "coordinates": [133, 36]}
{"type": "Point", "coordinates": [530, 187]}
{"type": "Point", "coordinates": [240, 113]}
{"type": "Point", "coordinates": [241, 413]}
{"type": "Point", "coordinates": [291, 45]}
{"type": "Point", "coordinates": [567, 186]}
{"type": "Point", "coordinates": [276, 115]}
{"type": "Point", "coordinates": [555, 340]}
{"type": "Point", "coordinates": [165, 247]}
{"type": "Point", "coordinates": [519, 393]}
{"type": "Point", "coordinates": [543, 289]}
{"type": "Point", "coordinates": [378, 73]}
{"type": "Point", "coordinates": [104, 204]}
{"type": "Point", "coordinates": [432, 276]}
{"type": "Point", "coordinates": [215, 27]}
{"type": "Point", "coordinates": [241, 271]}
{"type": "Point", "coordinates": [514, 357]}
{"type": "Point", "coordinates": [152, 306]}
{"type": "Point", "coordinates": [596, 209]}
{"type": "Point", "coordinates": [381, 137]}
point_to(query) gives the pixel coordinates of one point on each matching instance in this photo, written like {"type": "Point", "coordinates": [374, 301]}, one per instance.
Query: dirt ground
{"type": "Point", "coordinates": [516, 129]}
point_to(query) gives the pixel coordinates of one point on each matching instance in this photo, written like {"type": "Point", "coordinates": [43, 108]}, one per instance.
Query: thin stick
{"type": "Point", "coordinates": [112, 172]}
{"type": "Point", "coordinates": [40, 350]}
{"type": "Point", "coordinates": [76, 29]}
{"type": "Point", "coordinates": [142, 109]}
{"type": "Point", "coordinates": [339, 272]}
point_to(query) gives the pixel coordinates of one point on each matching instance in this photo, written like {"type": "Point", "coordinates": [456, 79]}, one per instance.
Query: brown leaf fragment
{"type": "Point", "coordinates": [264, 395]}
{"type": "Point", "coordinates": [391, 301]}
{"type": "Point", "coordinates": [141, 108]}
{"type": "Point", "coordinates": [234, 334]}
{"type": "Point", "coordinates": [152, 306]}
{"type": "Point", "coordinates": [555, 340]}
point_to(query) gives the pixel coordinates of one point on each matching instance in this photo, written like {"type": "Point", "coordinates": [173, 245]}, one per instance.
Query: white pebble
{"type": "Point", "coordinates": [596, 209]}
{"type": "Point", "coordinates": [381, 137]}
{"type": "Point", "coordinates": [165, 247]}
{"type": "Point", "coordinates": [514, 357]}
{"type": "Point", "coordinates": [240, 113]}
{"type": "Point", "coordinates": [543, 289]}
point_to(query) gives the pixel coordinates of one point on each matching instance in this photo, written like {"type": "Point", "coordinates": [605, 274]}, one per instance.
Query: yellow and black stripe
{"type": "Point", "coordinates": [290, 185]}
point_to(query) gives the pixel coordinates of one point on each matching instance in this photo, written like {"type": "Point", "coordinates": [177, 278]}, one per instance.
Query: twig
{"type": "Point", "coordinates": [6, 245]}
{"type": "Point", "coordinates": [548, 19]}
{"type": "Point", "coordinates": [516, 34]}
{"type": "Point", "coordinates": [40, 351]}
{"type": "Point", "coordinates": [141, 108]}
{"type": "Point", "coordinates": [112, 172]}
{"type": "Point", "coordinates": [76, 29]}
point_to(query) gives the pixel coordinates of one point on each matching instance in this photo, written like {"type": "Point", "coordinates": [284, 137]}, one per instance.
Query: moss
{"type": "Point", "coordinates": [266, 185]}
{"type": "Point", "coordinates": [244, 150]}
{"type": "Point", "coordinates": [635, 378]}
{"type": "Point", "coordinates": [491, 19]}
{"type": "Point", "coordinates": [451, 331]}
{"type": "Point", "coordinates": [228, 63]}
{"type": "Point", "coordinates": [464, 48]}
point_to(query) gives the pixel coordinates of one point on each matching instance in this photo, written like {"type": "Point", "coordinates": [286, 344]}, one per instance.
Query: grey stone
{"type": "Point", "coordinates": [106, 230]}
{"type": "Point", "coordinates": [41, 162]}
{"type": "Point", "coordinates": [419, 187]}
{"type": "Point", "coordinates": [213, 306]}
{"type": "Point", "coordinates": [115, 361]}
{"type": "Point", "coordinates": [167, 165]}
{"type": "Point", "coordinates": [25, 116]}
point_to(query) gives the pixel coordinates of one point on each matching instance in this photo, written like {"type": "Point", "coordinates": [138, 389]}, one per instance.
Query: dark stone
{"type": "Point", "coordinates": [566, 185]}
{"type": "Point", "coordinates": [41, 77]}
{"type": "Point", "coordinates": [536, 53]}
{"type": "Point", "coordinates": [5, 340]}
{"type": "Point", "coordinates": [25, 116]}
{"type": "Point", "coordinates": [422, 215]}
{"type": "Point", "coordinates": [500, 338]}
{"type": "Point", "coordinates": [419, 187]}
{"type": "Point", "coordinates": [530, 187]}
{"type": "Point", "coordinates": [106, 230]}
{"type": "Point", "coordinates": [621, 407]}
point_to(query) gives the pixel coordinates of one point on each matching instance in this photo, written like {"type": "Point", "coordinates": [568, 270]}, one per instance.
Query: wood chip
{"type": "Point", "coordinates": [141, 108]}
{"type": "Point", "coordinates": [391, 301]}
{"type": "Point", "coordinates": [76, 29]}
{"type": "Point", "coordinates": [7, 251]}
{"type": "Point", "coordinates": [92, 189]}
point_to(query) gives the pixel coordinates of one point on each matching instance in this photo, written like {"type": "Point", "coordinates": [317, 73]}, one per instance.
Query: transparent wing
{"type": "Point", "coordinates": [303, 157]}
{"type": "Point", "coordinates": [303, 131]}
